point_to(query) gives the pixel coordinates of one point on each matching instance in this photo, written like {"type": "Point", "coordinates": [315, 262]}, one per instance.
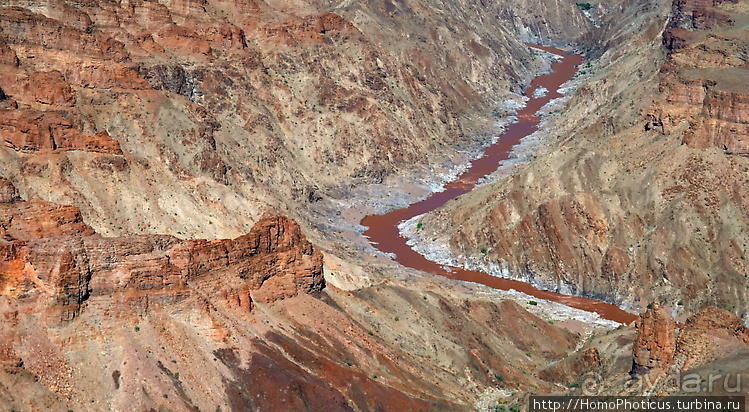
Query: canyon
{"type": "Point", "coordinates": [639, 193]}
{"type": "Point", "coordinates": [182, 184]}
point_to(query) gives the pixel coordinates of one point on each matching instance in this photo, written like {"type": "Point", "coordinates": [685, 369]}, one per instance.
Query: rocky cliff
{"type": "Point", "coordinates": [639, 192]}
{"type": "Point", "coordinates": [655, 342]}
{"type": "Point", "coordinates": [54, 263]}
{"type": "Point", "coordinates": [657, 356]}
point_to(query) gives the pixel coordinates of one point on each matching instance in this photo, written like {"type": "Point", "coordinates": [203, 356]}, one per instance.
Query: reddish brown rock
{"type": "Point", "coordinates": [716, 320]}
{"type": "Point", "coordinates": [676, 38]}
{"type": "Point", "coordinates": [22, 26]}
{"type": "Point", "coordinates": [656, 340]}
{"type": "Point", "coordinates": [723, 122]}
{"type": "Point", "coordinates": [30, 131]}
{"type": "Point", "coordinates": [25, 221]}
{"type": "Point", "coordinates": [49, 88]}
{"type": "Point", "coordinates": [184, 41]}
{"type": "Point", "coordinates": [8, 192]}
{"type": "Point", "coordinates": [7, 55]}
{"type": "Point", "coordinates": [310, 29]}
{"type": "Point", "coordinates": [712, 97]}
{"type": "Point", "coordinates": [703, 334]}
{"type": "Point", "coordinates": [274, 259]}
{"type": "Point", "coordinates": [151, 15]}
{"type": "Point", "coordinates": [53, 253]}
{"type": "Point", "coordinates": [103, 74]}
{"type": "Point", "coordinates": [706, 18]}
{"type": "Point", "coordinates": [223, 36]}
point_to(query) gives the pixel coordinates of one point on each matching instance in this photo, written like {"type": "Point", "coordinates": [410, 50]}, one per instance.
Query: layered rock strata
{"type": "Point", "coordinates": [52, 258]}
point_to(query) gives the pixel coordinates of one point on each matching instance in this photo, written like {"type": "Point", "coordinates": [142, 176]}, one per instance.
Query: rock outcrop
{"type": "Point", "coordinates": [8, 192]}
{"type": "Point", "coordinates": [274, 261]}
{"type": "Point", "coordinates": [656, 340]}
{"type": "Point", "coordinates": [30, 130]}
{"type": "Point", "coordinates": [723, 121]}
{"type": "Point", "coordinates": [662, 344]}
{"type": "Point", "coordinates": [49, 88]}
{"type": "Point", "coordinates": [705, 87]}
{"type": "Point", "coordinates": [51, 257]}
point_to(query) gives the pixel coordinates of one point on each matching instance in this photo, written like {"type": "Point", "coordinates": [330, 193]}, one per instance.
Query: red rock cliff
{"type": "Point", "coordinates": [51, 257]}
{"type": "Point", "coordinates": [704, 80]}
{"type": "Point", "coordinates": [710, 331]}
{"type": "Point", "coordinates": [655, 342]}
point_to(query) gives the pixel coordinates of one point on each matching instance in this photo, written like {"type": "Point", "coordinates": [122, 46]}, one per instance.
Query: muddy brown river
{"type": "Point", "coordinates": [383, 229]}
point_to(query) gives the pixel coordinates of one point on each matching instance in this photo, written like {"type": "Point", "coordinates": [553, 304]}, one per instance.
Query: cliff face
{"type": "Point", "coordinates": [55, 263]}
{"type": "Point", "coordinates": [655, 343]}
{"type": "Point", "coordinates": [672, 360]}
{"type": "Point", "coordinates": [704, 77]}
{"type": "Point", "coordinates": [641, 193]}
{"type": "Point", "coordinates": [656, 356]}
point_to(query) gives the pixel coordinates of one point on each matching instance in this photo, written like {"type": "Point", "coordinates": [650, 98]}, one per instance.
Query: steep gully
{"type": "Point", "coordinates": [383, 229]}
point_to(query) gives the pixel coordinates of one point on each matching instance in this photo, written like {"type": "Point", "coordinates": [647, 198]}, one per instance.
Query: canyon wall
{"type": "Point", "coordinates": [54, 263]}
